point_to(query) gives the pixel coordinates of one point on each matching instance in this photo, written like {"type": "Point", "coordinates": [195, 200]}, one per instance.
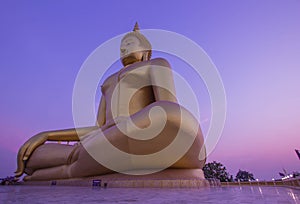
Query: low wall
{"type": "Point", "coordinates": [290, 182]}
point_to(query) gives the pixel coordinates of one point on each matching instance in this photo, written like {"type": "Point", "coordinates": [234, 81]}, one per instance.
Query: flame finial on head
{"type": "Point", "coordinates": [136, 27]}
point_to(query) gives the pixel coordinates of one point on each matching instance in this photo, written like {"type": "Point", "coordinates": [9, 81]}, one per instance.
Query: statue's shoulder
{"type": "Point", "coordinates": [110, 79]}
{"type": "Point", "coordinates": [160, 61]}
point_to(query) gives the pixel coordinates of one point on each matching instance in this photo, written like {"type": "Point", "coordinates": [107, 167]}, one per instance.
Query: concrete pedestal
{"type": "Point", "coordinates": [169, 178]}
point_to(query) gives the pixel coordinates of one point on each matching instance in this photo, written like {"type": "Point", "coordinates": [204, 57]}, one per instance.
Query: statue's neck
{"type": "Point", "coordinates": [134, 65]}
{"type": "Point", "coordinates": [129, 61]}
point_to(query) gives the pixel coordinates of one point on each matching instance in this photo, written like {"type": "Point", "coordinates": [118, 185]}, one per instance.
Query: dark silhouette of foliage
{"type": "Point", "coordinates": [244, 176]}
{"type": "Point", "coordinates": [9, 180]}
{"type": "Point", "coordinates": [216, 170]}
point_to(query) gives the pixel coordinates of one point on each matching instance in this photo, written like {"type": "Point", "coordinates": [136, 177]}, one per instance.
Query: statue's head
{"type": "Point", "coordinates": [135, 47]}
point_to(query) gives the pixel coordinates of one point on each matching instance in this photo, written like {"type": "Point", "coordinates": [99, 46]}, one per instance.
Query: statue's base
{"type": "Point", "coordinates": [169, 178]}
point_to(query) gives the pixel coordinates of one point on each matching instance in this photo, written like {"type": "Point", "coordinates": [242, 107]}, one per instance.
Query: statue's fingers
{"type": "Point", "coordinates": [31, 148]}
{"type": "Point", "coordinates": [20, 162]}
{"type": "Point", "coordinates": [20, 169]}
{"type": "Point", "coordinates": [23, 151]}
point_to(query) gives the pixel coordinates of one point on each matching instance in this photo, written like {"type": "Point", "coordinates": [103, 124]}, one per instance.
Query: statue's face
{"type": "Point", "coordinates": [130, 47]}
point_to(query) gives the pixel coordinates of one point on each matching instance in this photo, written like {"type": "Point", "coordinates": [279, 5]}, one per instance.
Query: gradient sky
{"type": "Point", "coordinates": [254, 44]}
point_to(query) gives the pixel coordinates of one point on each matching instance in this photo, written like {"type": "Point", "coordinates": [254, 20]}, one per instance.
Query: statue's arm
{"type": "Point", "coordinates": [58, 135]}
{"type": "Point", "coordinates": [75, 134]}
{"type": "Point", "coordinates": [72, 134]}
{"type": "Point", "coordinates": [161, 74]}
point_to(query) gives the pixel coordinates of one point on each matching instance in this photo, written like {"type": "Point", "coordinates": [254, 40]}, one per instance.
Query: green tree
{"type": "Point", "coordinates": [244, 176]}
{"type": "Point", "coordinates": [216, 170]}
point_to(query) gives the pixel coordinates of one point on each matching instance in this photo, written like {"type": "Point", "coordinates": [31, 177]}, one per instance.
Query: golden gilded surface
{"type": "Point", "coordinates": [123, 98]}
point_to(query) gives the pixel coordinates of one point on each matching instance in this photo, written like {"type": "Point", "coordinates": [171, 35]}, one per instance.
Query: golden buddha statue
{"type": "Point", "coordinates": [47, 161]}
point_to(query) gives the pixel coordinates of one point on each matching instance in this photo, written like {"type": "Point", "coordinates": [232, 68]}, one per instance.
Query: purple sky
{"type": "Point", "coordinates": [255, 46]}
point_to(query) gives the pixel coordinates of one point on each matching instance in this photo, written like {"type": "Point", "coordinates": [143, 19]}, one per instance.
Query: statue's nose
{"type": "Point", "coordinates": [123, 50]}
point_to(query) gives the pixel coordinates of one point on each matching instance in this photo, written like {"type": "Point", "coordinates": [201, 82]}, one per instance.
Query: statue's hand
{"type": "Point", "coordinates": [26, 150]}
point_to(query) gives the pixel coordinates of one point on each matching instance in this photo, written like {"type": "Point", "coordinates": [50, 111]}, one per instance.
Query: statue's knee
{"type": "Point", "coordinates": [170, 109]}
{"type": "Point", "coordinates": [175, 114]}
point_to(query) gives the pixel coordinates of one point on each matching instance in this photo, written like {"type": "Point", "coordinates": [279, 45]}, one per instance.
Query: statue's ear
{"type": "Point", "coordinates": [145, 56]}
